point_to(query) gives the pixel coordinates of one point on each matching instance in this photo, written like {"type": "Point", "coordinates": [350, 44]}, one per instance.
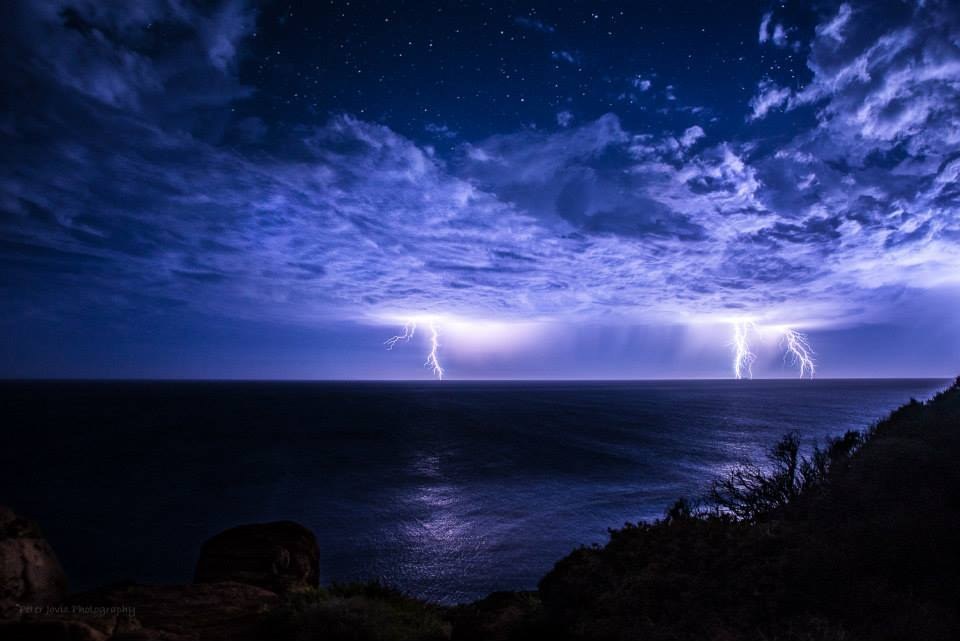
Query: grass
{"type": "Point", "coordinates": [355, 612]}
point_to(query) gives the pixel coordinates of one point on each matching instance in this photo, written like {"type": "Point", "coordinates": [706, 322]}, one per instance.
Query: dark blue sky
{"type": "Point", "coordinates": [575, 190]}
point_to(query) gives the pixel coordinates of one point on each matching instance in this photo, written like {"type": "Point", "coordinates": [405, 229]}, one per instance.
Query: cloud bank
{"type": "Point", "coordinates": [132, 185]}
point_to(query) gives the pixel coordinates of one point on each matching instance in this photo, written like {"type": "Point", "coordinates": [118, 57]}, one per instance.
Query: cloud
{"type": "Point", "coordinates": [769, 96]}
{"type": "Point", "coordinates": [534, 24]}
{"type": "Point", "coordinates": [111, 201]}
{"type": "Point", "coordinates": [834, 28]}
{"type": "Point", "coordinates": [223, 30]}
{"type": "Point", "coordinates": [638, 85]}
{"type": "Point", "coordinates": [770, 32]}
{"type": "Point", "coordinates": [779, 36]}
{"type": "Point", "coordinates": [110, 52]}
{"type": "Point", "coordinates": [439, 130]}
{"type": "Point", "coordinates": [764, 35]}
{"type": "Point", "coordinates": [691, 136]}
{"type": "Point", "coordinates": [886, 100]}
{"type": "Point", "coordinates": [565, 56]}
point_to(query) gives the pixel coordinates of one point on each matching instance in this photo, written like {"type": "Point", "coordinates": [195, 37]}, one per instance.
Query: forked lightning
{"type": "Point", "coordinates": [798, 349]}
{"type": "Point", "coordinates": [796, 345]}
{"type": "Point", "coordinates": [409, 329]}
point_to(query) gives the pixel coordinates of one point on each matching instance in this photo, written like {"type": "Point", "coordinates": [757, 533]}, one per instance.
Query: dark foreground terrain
{"type": "Point", "coordinates": [853, 540]}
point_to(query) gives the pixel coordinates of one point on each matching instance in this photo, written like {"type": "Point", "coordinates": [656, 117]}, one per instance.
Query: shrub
{"type": "Point", "coordinates": [756, 493]}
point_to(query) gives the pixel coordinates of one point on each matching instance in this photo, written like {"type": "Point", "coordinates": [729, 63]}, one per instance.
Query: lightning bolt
{"type": "Point", "coordinates": [799, 351]}
{"type": "Point", "coordinates": [432, 361]}
{"type": "Point", "coordinates": [409, 329]}
{"type": "Point", "coordinates": [743, 358]}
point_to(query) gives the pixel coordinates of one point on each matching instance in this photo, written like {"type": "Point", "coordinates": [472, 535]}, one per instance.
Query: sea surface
{"type": "Point", "coordinates": [446, 490]}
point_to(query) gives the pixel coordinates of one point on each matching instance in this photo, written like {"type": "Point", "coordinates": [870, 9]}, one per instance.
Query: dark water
{"type": "Point", "coordinates": [446, 490]}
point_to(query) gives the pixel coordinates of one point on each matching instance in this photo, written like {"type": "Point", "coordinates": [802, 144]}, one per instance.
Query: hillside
{"type": "Point", "coordinates": [854, 540]}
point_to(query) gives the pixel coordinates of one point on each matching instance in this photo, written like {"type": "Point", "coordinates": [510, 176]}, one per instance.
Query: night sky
{"type": "Point", "coordinates": [557, 190]}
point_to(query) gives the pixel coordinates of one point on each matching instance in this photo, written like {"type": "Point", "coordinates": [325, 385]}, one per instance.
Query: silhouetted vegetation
{"type": "Point", "coordinates": [753, 493]}
{"type": "Point", "coordinates": [856, 540]}
{"type": "Point", "coordinates": [355, 612]}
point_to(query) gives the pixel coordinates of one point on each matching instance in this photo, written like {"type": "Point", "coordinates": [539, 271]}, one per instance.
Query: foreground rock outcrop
{"type": "Point", "coordinates": [30, 574]}
{"type": "Point", "coordinates": [206, 612]}
{"type": "Point", "coordinates": [35, 606]}
{"type": "Point", "coordinates": [211, 611]}
{"type": "Point", "coordinates": [280, 556]}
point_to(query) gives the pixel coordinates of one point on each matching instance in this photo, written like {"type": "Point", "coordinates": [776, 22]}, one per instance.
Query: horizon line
{"type": "Point", "coordinates": [171, 379]}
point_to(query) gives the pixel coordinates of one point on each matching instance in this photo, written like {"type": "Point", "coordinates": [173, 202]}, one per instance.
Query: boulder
{"type": "Point", "coordinates": [30, 574]}
{"type": "Point", "coordinates": [280, 556]}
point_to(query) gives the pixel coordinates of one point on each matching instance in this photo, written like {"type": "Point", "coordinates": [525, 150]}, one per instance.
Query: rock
{"type": "Point", "coordinates": [30, 574]}
{"type": "Point", "coordinates": [205, 612]}
{"type": "Point", "coordinates": [60, 623]}
{"type": "Point", "coordinates": [280, 556]}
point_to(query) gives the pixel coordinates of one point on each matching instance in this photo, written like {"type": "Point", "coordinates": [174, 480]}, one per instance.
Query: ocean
{"type": "Point", "coordinates": [447, 490]}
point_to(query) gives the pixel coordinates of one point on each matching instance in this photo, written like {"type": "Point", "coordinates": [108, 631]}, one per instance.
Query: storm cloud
{"type": "Point", "coordinates": [128, 182]}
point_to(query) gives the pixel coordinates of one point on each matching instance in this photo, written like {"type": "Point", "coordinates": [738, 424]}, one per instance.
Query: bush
{"type": "Point", "coordinates": [754, 493]}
